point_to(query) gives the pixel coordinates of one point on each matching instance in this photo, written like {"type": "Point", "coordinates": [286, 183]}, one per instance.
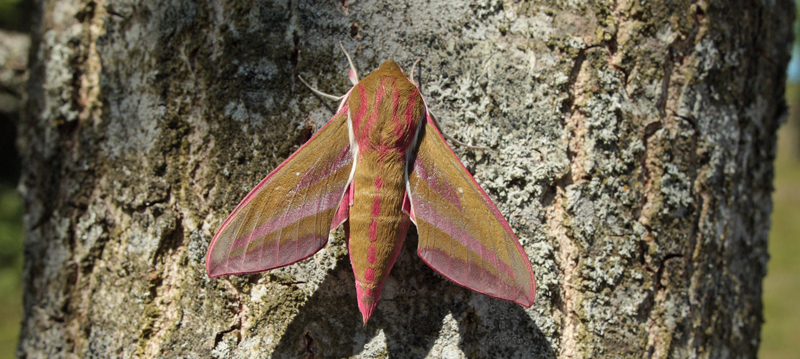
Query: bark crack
{"type": "Point", "coordinates": [568, 256]}
{"type": "Point", "coordinates": [237, 325]}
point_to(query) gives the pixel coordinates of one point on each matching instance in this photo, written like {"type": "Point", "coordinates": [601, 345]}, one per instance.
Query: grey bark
{"type": "Point", "coordinates": [635, 145]}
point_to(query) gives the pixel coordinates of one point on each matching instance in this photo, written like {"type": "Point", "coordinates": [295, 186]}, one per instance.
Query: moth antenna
{"type": "Point", "coordinates": [455, 141]}
{"type": "Point", "coordinates": [411, 73]}
{"type": "Point", "coordinates": [353, 75]}
{"type": "Point", "coordinates": [318, 92]}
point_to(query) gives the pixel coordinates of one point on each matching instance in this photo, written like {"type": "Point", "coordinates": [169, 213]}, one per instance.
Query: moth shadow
{"type": "Point", "coordinates": [416, 308]}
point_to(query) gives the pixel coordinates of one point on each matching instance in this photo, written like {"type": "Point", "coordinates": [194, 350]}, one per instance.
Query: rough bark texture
{"type": "Point", "coordinates": [635, 144]}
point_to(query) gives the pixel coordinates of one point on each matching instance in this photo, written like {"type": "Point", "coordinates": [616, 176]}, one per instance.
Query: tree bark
{"type": "Point", "coordinates": [634, 141]}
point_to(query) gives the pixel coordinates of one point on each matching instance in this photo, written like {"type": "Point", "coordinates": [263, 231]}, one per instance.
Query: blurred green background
{"type": "Point", "coordinates": [780, 337]}
{"type": "Point", "coordinates": [10, 268]}
{"type": "Point", "coordinates": [13, 17]}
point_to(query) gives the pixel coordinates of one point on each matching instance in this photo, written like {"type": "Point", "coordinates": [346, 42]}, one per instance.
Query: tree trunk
{"type": "Point", "coordinates": [634, 143]}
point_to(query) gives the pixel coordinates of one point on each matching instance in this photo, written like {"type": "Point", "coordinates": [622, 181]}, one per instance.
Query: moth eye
{"type": "Point", "coordinates": [297, 173]}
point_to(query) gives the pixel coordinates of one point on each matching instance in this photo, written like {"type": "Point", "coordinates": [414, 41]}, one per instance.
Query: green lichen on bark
{"type": "Point", "coordinates": [634, 160]}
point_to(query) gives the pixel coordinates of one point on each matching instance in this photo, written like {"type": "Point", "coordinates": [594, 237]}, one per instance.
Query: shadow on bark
{"type": "Point", "coordinates": [416, 306]}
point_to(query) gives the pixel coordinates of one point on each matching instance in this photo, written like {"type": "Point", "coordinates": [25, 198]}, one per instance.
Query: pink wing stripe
{"type": "Point", "coordinates": [249, 264]}
{"type": "Point", "coordinates": [486, 198]}
{"type": "Point", "coordinates": [475, 274]}
{"type": "Point", "coordinates": [425, 211]}
{"type": "Point", "coordinates": [267, 179]}
{"type": "Point", "coordinates": [330, 200]}
{"type": "Point", "coordinates": [472, 275]}
{"type": "Point", "coordinates": [311, 205]}
{"type": "Point", "coordinates": [443, 188]}
{"type": "Point", "coordinates": [316, 205]}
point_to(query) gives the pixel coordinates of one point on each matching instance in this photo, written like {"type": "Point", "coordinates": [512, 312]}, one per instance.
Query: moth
{"type": "Point", "coordinates": [377, 166]}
